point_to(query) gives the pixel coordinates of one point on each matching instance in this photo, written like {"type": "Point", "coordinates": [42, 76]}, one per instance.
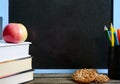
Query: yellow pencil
{"type": "Point", "coordinates": [112, 35]}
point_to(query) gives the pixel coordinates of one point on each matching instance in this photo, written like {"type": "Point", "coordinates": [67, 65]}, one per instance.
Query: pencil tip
{"type": "Point", "coordinates": [111, 25]}
{"type": "Point", "coordinates": [105, 27]}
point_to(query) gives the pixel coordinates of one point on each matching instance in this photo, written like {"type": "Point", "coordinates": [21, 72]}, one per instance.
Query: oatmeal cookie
{"type": "Point", "coordinates": [100, 78]}
{"type": "Point", "coordinates": [84, 75]}
{"type": "Point", "coordinates": [89, 75]}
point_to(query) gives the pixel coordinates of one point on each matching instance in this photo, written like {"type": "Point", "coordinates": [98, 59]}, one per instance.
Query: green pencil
{"type": "Point", "coordinates": [107, 34]}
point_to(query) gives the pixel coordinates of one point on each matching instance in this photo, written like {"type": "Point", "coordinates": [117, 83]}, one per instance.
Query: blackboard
{"type": "Point", "coordinates": [65, 34]}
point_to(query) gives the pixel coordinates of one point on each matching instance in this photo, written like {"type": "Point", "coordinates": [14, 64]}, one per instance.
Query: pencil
{"type": "Point", "coordinates": [116, 38]}
{"type": "Point", "coordinates": [107, 34]}
{"type": "Point", "coordinates": [118, 35]}
{"type": "Point", "coordinates": [112, 35]}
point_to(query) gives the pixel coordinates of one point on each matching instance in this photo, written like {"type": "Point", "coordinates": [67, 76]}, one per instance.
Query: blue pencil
{"type": "Point", "coordinates": [116, 38]}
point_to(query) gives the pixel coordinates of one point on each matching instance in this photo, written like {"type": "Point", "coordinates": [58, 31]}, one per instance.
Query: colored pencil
{"type": "Point", "coordinates": [116, 38]}
{"type": "Point", "coordinates": [107, 34]}
{"type": "Point", "coordinates": [112, 35]}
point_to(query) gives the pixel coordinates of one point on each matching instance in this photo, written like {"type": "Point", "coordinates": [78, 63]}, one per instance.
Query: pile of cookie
{"type": "Point", "coordinates": [89, 75]}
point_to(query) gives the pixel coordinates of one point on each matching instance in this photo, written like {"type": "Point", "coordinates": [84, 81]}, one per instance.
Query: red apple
{"type": "Point", "coordinates": [15, 33]}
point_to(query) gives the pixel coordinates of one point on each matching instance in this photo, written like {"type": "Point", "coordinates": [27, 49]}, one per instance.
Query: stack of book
{"type": "Point", "coordinates": [15, 63]}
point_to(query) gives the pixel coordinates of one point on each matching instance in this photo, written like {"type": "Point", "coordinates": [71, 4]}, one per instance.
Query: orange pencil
{"type": "Point", "coordinates": [118, 34]}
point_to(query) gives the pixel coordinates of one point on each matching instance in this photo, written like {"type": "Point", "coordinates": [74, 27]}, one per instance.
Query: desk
{"type": "Point", "coordinates": [60, 79]}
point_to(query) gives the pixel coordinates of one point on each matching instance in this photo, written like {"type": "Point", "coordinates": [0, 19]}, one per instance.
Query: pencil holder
{"type": "Point", "coordinates": [114, 62]}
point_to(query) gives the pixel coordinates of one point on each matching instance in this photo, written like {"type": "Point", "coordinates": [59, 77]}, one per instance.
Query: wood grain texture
{"type": "Point", "coordinates": [60, 79]}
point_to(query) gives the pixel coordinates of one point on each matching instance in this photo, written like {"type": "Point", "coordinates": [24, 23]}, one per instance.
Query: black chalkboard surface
{"type": "Point", "coordinates": [65, 34]}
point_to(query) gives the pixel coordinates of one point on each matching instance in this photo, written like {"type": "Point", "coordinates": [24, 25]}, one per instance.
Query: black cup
{"type": "Point", "coordinates": [114, 62]}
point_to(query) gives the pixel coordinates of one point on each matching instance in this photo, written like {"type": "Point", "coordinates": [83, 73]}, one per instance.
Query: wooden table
{"type": "Point", "coordinates": [60, 79]}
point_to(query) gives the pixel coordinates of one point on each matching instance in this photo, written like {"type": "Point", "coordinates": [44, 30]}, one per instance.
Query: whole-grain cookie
{"type": "Point", "coordinates": [84, 75]}
{"type": "Point", "coordinates": [100, 78]}
{"type": "Point", "coordinates": [89, 75]}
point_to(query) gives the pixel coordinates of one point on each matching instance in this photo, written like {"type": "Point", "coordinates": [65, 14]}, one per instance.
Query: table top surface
{"type": "Point", "coordinates": [60, 79]}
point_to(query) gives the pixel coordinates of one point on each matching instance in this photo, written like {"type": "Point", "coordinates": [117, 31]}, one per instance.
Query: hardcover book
{"type": "Point", "coordinates": [10, 51]}
{"type": "Point", "coordinates": [18, 78]}
{"type": "Point", "coordinates": [11, 67]}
